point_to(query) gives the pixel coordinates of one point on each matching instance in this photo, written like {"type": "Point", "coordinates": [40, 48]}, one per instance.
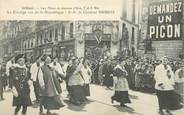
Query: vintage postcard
{"type": "Point", "coordinates": [91, 57]}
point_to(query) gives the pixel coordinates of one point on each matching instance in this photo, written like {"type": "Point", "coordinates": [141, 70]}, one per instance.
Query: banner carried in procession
{"type": "Point", "coordinates": [165, 20]}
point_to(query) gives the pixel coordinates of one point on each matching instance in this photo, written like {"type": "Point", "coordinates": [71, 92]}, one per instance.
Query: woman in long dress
{"type": "Point", "coordinates": [20, 86]}
{"type": "Point", "coordinates": [121, 85]}
{"type": "Point", "coordinates": [50, 88]}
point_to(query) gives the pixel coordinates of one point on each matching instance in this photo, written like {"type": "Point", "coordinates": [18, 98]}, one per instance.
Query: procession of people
{"type": "Point", "coordinates": [121, 74]}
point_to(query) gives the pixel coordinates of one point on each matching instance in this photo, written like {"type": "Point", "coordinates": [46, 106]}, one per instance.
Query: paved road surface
{"type": "Point", "coordinates": [99, 104]}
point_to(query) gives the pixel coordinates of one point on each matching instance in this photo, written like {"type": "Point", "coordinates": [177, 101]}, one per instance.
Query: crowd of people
{"type": "Point", "coordinates": [46, 75]}
{"type": "Point", "coordinates": [140, 72]}
{"type": "Point", "coordinates": [120, 73]}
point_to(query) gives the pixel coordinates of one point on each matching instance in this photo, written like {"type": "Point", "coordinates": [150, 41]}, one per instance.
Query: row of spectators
{"type": "Point", "coordinates": [140, 72]}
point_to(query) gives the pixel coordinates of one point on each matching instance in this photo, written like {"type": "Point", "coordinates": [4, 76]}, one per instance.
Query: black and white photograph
{"type": "Point", "coordinates": [133, 65]}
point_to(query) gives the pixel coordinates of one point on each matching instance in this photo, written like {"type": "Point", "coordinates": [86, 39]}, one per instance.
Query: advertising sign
{"type": "Point", "coordinates": [165, 20]}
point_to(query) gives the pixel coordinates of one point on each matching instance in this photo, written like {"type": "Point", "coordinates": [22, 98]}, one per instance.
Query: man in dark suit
{"type": "Point", "coordinates": [107, 73]}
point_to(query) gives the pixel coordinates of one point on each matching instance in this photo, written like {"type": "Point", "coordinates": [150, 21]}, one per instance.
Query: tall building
{"type": "Point", "coordinates": [61, 38]}
{"type": "Point", "coordinates": [12, 36]}
{"type": "Point", "coordinates": [93, 39]}
{"type": "Point", "coordinates": [129, 26]}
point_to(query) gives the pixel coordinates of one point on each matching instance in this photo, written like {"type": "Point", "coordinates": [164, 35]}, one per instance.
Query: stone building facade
{"type": "Point", "coordinates": [129, 27]}
{"type": "Point", "coordinates": [61, 38]}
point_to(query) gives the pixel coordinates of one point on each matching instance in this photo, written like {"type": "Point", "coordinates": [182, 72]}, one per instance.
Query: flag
{"type": "Point", "coordinates": [98, 35]}
{"type": "Point", "coordinates": [98, 38]}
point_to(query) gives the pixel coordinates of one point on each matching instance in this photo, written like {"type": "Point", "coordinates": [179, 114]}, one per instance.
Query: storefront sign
{"type": "Point", "coordinates": [165, 20]}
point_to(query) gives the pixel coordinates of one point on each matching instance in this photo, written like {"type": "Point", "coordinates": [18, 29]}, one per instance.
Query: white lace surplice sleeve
{"type": "Point", "coordinates": [40, 78]}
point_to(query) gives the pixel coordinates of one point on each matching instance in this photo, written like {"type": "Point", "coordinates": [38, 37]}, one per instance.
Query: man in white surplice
{"type": "Point", "coordinates": [164, 86]}
{"type": "Point", "coordinates": [34, 74]}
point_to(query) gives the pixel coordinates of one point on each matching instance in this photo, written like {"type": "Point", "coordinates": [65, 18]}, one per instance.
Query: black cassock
{"type": "Point", "coordinates": [131, 77]}
{"type": "Point", "coordinates": [108, 70]}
